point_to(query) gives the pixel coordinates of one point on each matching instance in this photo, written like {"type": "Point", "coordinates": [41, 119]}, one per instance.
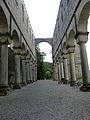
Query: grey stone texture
{"type": "Point", "coordinates": [65, 12]}
{"type": "Point", "coordinates": [46, 100]}
{"type": "Point", "coordinates": [16, 37]}
{"type": "Point", "coordinates": [71, 30]}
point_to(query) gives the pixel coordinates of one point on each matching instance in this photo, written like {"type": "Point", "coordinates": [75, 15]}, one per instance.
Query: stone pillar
{"type": "Point", "coordinates": [28, 71]}
{"type": "Point", "coordinates": [17, 54]}
{"type": "Point", "coordinates": [54, 67]}
{"type": "Point", "coordinates": [62, 70]}
{"type": "Point", "coordinates": [4, 66]}
{"type": "Point", "coordinates": [56, 71]}
{"type": "Point", "coordinates": [66, 77]}
{"type": "Point", "coordinates": [23, 57]}
{"type": "Point", "coordinates": [35, 71]}
{"type": "Point", "coordinates": [59, 72]}
{"type": "Point", "coordinates": [71, 50]}
{"type": "Point", "coordinates": [31, 79]}
{"type": "Point", "coordinates": [81, 40]}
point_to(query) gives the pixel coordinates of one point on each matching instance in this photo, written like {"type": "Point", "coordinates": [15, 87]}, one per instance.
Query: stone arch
{"type": "Point", "coordinates": [3, 21]}
{"type": "Point", "coordinates": [70, 39]}
{"type": "Point", "coordinates": [39, 40]}
{"type": "Point", "coordinates": [64, 50]}
{"type": "Point", "coordinates": [15, 38]}
{"type": "Point", "coordinates": [23, 47]}
{"type": "Point", "coordinates": [83, 18]}
{"type": "Point", "coordinates": [27, 51]}
{"type": "Point", "coordinates": [28, 54]}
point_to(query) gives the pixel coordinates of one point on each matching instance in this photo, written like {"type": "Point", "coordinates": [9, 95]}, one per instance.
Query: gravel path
{"type": "Point", "coordinates": [46, 100]}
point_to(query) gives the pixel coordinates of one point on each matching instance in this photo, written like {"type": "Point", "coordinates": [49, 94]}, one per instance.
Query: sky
{"type": "Point", "coordinates": [43, 14]}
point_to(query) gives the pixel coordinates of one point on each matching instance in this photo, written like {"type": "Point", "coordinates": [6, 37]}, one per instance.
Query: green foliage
{"type": "Point", "coordinates": [40, 64]}
{"type": "Point", "coordinates": [48, 70]}
{"type": "Point", "coordinates": [44, 69]}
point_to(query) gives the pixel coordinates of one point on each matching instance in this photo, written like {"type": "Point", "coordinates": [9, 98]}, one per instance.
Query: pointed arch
{"type": "Point", "coordinates": [70, 39]}
{"type": "Point", "coordinates": [15, 38]}
{"type": "Point", "coordinates": [3, 21]}
{"type": "Point", "coordinates": [64, 50]}
{"type": "Point", "coordinates": [83, 18]}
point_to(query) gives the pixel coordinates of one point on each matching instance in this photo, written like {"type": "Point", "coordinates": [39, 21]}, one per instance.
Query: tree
{"type": "Point", "coordinates": [48, 70]}
{"type": "Point", "coordinates": [44, 69]}
{"type": "Point", "coordinates": [40, 64]}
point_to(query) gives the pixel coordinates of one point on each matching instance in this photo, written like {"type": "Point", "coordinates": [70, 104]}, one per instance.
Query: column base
{"type": "Point", "coordinates": [31, 81]}
{"type": "Point", "coordinates": [65, 81]}
{"type": "Point", "coordinates": [16, 86]}
{"type": "Point", "coordinates": [59, 82]}
{"type": "Point", "coordinates": [4, 90]}
{"type": "Point", "coordinates": [72, 83]}
{"type": "Point", "coordinates": [85, 88]}
{"type": "Point", "coordinates": [23, 84]}
{"type": "Point", "coordinates": [62, 80]}
{"type": "Point", "coordinates": [28, 81]}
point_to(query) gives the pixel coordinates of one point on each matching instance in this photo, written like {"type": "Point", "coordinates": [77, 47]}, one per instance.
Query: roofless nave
{"type": "Point", "coordinates": [18, 64]}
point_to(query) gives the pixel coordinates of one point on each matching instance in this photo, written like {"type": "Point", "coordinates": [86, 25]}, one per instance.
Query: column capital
{"type": "Point", "coordinates": [81, 37]}
{"type": "Point", "coordinates": [28, 57]}
{"type": "Point", "coordinates": [27, 61]}
{"type": "Point", "coordinates": [5, 38]}
{"type": "Point", "coordinates": [36, 66]}
{"type": "Point", "coordinates": [64, 55]}
{"type": "Point", "coordinates": [17, 47]}
{"type": "Point", "coordinates": [17, 50]}
{"type": "Point", "coordinates": [23, 53]}
{"type": "Point", "coordinates": [71, 49]}
{"type": "Point", "coordinates": [57, 61]}
{"type": "Point", "coordinates": [60, 58]}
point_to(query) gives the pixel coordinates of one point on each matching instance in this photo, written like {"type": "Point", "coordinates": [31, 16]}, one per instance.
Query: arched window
{"type": "Point", "coordinates": [23, 13]}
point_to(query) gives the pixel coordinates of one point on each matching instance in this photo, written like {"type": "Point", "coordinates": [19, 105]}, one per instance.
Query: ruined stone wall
{"type": "Point", "coordinates": [65, 12]}
{"type": "Point", "coordinates": [18, 10]}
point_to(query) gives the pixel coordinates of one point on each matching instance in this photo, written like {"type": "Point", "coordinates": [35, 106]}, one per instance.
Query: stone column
{"type": "Point", "coordinates": [17, 54]}
{"type": "Point", "coordinates": [81, 40]}
{"type": "Point", "coordinates": [28, 71]}
{"type": "Point", "coordinates": [71, 50]}
{"type": "Point", "coordinates": [23, 57]}
{"type": "Point", "coordinates": [31, 79]}
{"type": "Point", "coordinates": [56, 71]}
{"type": "Point", "coordinates": [62, 70]}
{"type": "Point", "coordinates": [36, 70]}
{"type": "Point", "coordinates": [35, 66]}
{"type": "Point", "coordinates": [3, 65]}
{"type": "Point", "coordinates": [54, 67]}
{"type": "Point", "coordinates": [33, 71]}
{"type": "Point", "coordinates": [66, 77]}
{"type": "Point", "coordinates": [59, 72]}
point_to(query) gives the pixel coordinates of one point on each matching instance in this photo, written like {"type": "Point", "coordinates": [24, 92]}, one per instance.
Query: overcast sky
{"type": "Point", "coordinates": [43, 14]}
